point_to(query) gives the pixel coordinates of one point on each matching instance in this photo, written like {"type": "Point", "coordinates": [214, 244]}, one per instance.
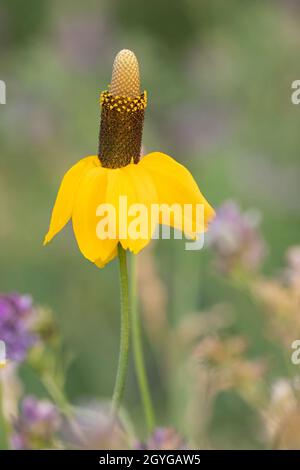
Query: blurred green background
{"type": "Point", "coordinates": [218, 76]}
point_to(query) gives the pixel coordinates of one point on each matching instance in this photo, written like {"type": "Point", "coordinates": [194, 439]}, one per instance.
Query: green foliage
{"type": "Point", "coordinates": [218, 76]}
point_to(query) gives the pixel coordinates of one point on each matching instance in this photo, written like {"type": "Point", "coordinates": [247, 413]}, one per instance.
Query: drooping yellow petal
{"type": "Point", "coordinates": [100, 263]}
{"type": "Point", "coordinates": [63, 206]}
{"type": "Point", "coordinates": [175, 185]}
{"type": "Point", "coordinates": [142, 221]}
{"type": "Point", "coordinates": [131, 190]}
{"type": "Point", "coordinates": [90, 196]}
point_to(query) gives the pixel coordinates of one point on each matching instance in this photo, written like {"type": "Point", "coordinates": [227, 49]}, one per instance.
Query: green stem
{"type": "Point", "coordinates": [138, 351]}
{"type": "Point", "coordinates": [57, 394]}
{"type": "Point", "coordinates": [124, 341]}
{"type": "Point", "coordinates": [4, 444]}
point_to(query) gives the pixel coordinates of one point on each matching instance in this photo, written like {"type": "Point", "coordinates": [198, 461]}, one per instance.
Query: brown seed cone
{"type": "Point", "coordinates": [122, 115]}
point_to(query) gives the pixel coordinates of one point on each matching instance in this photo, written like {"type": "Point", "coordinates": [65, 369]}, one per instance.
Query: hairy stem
{"type": "Point", "coordinates": [138, 351]}
{"type": "Point", "coordinates": [124, 341]}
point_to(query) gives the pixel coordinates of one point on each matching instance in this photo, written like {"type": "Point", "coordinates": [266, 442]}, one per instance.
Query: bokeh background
{"type": "Point", "coordinates": [218, 76]}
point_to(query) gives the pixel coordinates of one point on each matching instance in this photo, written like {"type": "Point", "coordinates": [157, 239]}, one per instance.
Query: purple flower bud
{"type": "Point", "coordinates": [16, 313]}
{"type": "Point", "coordinates": [163, 439]}
{"type": "Point", "coordinates": [37, 424]}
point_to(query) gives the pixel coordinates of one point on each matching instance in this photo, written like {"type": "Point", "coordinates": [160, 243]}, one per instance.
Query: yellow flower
{"type": "Point", "coordinates": [118, 171]}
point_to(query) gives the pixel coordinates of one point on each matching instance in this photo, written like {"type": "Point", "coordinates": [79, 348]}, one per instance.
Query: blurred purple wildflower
{"type": "Point", "coordinates": [236, 239]}
{"type": "Point", "coordinates": [36, 426]}
{"type": "Point", "coordinates": [16, 314]}
{"type": "Point", "coordinates": [163, 439]}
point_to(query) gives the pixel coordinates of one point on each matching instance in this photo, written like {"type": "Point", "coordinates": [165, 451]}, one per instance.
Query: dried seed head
{"type": "Point", "coordinates": [125, 79]}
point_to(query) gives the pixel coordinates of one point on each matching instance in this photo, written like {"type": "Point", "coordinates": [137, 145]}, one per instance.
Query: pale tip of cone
{"type": "Point", "coordinates": [125, 79]}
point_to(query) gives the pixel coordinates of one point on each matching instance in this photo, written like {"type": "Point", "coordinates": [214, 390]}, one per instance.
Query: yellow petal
{"type": "Point", "coordinates": [175, 185]}
{"type": "Point", "coordinates": [91, 193]}
{"type": "Point", "coordinates": [135, 185]}
{"type": "Point", "coordinates": [101, 263]}
{"type": "Point", "coordinates": [63, 206]}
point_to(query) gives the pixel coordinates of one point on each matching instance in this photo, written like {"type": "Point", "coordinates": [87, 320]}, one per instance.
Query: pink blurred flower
{"type": "Point", "coordinates": [36, 426]}
{"type": "Point", "coordinates": [16, 313]}
{"type": "Point", "coordinates": [236, 240]}
{"type": "Point", "coordinates": [163, 439]}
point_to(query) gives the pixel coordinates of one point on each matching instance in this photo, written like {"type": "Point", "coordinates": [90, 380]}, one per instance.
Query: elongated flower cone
{"type": "Point", "coordinates": [116, 197]}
